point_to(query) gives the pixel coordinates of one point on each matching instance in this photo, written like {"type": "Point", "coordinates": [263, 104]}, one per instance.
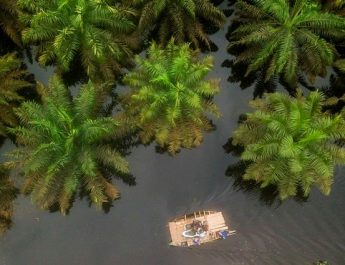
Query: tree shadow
{"type": "Point", "coordinates": [255, 79]}
{"type": "Point", "coordinates": [335, 89]}
{"type": "Point", "coordinates": [8, 46]}
{"type": "Point", "coordinates": [76, 74]}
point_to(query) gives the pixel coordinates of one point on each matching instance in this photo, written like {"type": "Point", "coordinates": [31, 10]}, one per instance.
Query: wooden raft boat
{"type": "Point", "coordinates": [198, 228]}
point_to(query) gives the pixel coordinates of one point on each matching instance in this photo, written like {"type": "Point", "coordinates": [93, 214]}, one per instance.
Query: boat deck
{"type": "Point", "coordinates": [215, 222]}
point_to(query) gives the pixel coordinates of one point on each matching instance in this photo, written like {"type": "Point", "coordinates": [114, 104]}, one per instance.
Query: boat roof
{"type": "Point", "coordinates": [215, 222]}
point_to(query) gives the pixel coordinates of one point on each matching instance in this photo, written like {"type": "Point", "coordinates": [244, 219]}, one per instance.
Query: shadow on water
{"type": "Point", "coordinates": [336, 90]}
{"type": "Point", "coordinates": [6, 45]}
{"type": "Point", "coordinates": [255, 79]}
{"type": "Point", "coordinates": [76, 75]}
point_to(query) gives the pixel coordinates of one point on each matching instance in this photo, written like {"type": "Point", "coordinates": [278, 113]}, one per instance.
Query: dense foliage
{"type": "Point", "coordinates": [287, 40]}
{"type": "Point", "coordinates": [62, 147]}
{"type": "Point", "coordinates": [184, 20]}
{"type": "Point", "coordinates": [170, 96]}
{"type": "Point", "coordinates": [291, 143]}
{"type": "Point", "coordinates": [8, 192]}
{"type": "Point", "coordinates": [63, 31]}
{"type": "Point", "coordinates": [9, 20]}
{"type": "Point", "coordinates": [11, 82]}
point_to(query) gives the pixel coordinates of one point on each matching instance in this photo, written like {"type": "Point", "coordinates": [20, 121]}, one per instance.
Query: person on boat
{"type": "Point", "coordinates": [223, 234]}
{"type": "Point", "coordinates": [196, 226]}
{"type": "Point", "coordinates": [205, 226]}
{"type": "Point", "coordinates": [196, 241]}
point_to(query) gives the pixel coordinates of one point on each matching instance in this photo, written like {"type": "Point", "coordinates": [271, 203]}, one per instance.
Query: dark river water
{"type": "Point", "coordinates": [135, 230]}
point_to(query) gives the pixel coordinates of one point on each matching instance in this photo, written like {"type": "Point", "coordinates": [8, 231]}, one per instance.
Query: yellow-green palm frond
{"type": "Point", "coordinates": [291, 143]}
{"type": "Point", "coordinates": [170, 96]}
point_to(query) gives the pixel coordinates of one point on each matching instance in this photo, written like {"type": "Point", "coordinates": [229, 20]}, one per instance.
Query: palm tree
{"type": "Point", "coordinates": [11, 82]}
{"type": "Point", "coordinates": [8, 192]}
{"type": "Point", "coordinates": [63, 147]}
{"type": "Point", "coordinates": [9, 20]}
{"type": "Point", "coordinates": [170, 96]}
{"type": "Point", "coordinates": [291, 143]}
{"type": "Point", "coordinates": [184, 20]}
{"type": "Point", "coordinates": [90, 29]}
{"type": "Point", "coordinates": [287, 40]}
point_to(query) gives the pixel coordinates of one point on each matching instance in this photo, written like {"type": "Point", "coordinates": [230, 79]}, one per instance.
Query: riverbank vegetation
{"type": "Point", "coordinates": [67, 144]}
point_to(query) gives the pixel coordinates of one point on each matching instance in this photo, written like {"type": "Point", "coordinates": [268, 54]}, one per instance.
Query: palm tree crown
{"type": "Point", "coordinates": [62, 147]}
{"type": "Point", "coordinates": [291, 143]}
{"type": "Point", "coordinates": [178, 19]}
{"type": "Point", "coordinates": [286, 40]}
{"type": "Point", "coordinates": [11, 81]}
{"type": "Point", "coordinates": [170, 97]}
{"type": "Point", "coordinates": [64, 30]}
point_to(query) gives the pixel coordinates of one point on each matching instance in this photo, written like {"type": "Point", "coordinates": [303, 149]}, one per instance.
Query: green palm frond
{"type": "Point", "coordinates": [63, 147]}
{"type": "Point", "coordinates": [64, 30]}
{"type": "Point", "coordinates": [291, 143]}
{"type": "Point", "coordinates": [178, 19]}
{"type": "Point", "coordinates": [170, 96]}
{"type": "Point", "coordinates": [289, 38]}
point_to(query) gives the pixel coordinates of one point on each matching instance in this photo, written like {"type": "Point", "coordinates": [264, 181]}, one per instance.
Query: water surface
{"type": "Point", "coordinates": [135, 230]}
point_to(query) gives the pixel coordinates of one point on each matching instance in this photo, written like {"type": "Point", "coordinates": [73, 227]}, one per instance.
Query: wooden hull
{"type": "Point", "coordinates": [214, 221]}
